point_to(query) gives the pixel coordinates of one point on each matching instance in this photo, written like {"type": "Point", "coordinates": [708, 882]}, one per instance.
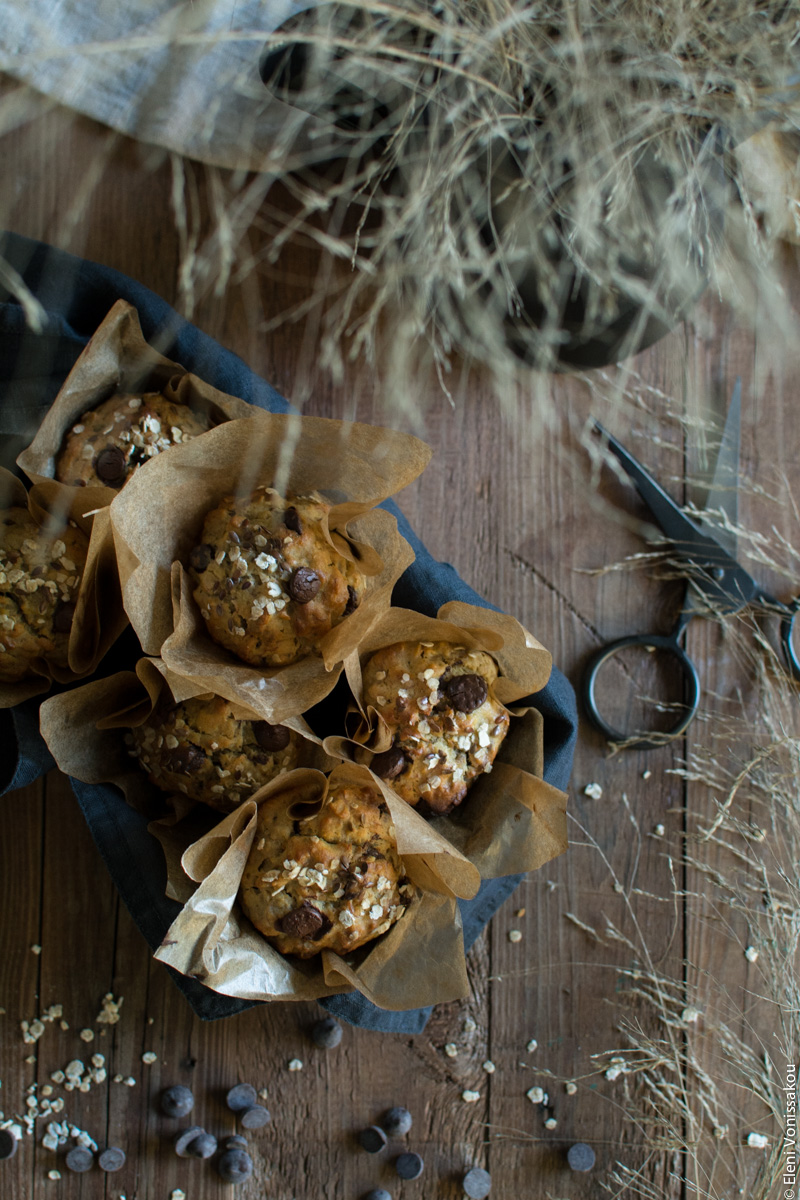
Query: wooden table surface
{"type": "Point", "coordinates": [510, 499]}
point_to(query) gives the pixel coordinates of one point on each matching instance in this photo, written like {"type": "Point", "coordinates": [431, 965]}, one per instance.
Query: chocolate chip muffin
{"type": "Point", "coordinates": [200, 748]}
{"type": "Point", "coordinates": [325, 879]}
{"type": "Point", "coordinates": [109, 442]}
{"type": "Point", "coordinates": [40, 575]}
{"type": "Point", "coordinates": [436, 699]}
{"type": "Point", "coordinates": [268, 581]}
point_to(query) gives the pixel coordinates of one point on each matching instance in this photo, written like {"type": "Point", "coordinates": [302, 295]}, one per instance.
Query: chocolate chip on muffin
{"type": "Point", "coordinates": [446, 727]}
{"type": "Point", "coordinates": [267, 579]}
{"type": "Point", "coordinates": [326, 878]}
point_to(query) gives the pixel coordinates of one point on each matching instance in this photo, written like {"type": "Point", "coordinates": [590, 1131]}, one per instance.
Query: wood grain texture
{"type": "Point", "coordinates": [511, 501]}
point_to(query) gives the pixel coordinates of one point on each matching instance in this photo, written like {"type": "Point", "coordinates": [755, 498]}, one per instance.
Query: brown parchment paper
{"type": "Point", "coordinates": [99, 616]}
{"type": "Point", "coordinates": [511, 820]}
{"type": "Point", "coordinates": [158, 518]}
{"type": "Point", "coordinates": [418, 962]}
{"type": "Point", "coordinates": [118, 359]}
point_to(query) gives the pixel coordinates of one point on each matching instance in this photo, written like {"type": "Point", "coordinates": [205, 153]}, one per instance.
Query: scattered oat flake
{"type": "Point", "coordinates": [53, 1174]}
{"type": "Point", "coordinates": [614, 1073]}
{"type": "Point", "coordinates": [109, 1013]}
{"type": "Point", "coordinates": [647, 774]}
{"type": "Point", "coordinates": [149, 1057]}
{"type": "Point", "coordinates": [177, 1194]}
{"type": "Point", "coordinates": [532, 1045]}
{"type": "Point", "coordinates": [489, 1067]}
{"type": "Point", "coordinates": [593, 791]}
{"type": "Point", "coordinates": [659, 830]}
{"type": "Point", "coordinates": [758, 1140]}
{"type": "Point", "coordinates": [296, 1064]}
{"type": "Point", "coordinates": [86, 1035]}
{"type": "Point", "coordinates": [470, 1097]}
{"type": "Point", "coordinates": [570, 1088]}
{"type": "Point", "coordinates": [691, 1014]}
{"type": "Point", "coordinates": [520, 912]}
{"type": "Point", "coordinates": [550, 1123]}
{"type": "Point", "coordinates": [469, 1025]}
{"type": "Point", "coordinates": [36, 949]}
{"type": "Point", "coordinates": [263, 1094]}
{"type": "Point", "coordinates": [751, 954]}
{"type": "Point", "coordinates": [515, 935]}
{"type": "Point", "coordinates": [451, 1049]}
{"type": "Point", "coordinates": [535, 1095]}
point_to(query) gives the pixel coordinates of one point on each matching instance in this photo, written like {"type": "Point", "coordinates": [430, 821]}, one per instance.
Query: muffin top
{"type": "Point", "coordinates": [40, 575]}
{"type": "Point", "coordinates": [199, 747]}
{"type": "Point", "coordinates": [109, 442]}
{"type": "Point", "coordinates": [325, 878]}
{"type": "Point", "coordinates": [267, 579]}
{"type": "Point", "coordinates": [446, 726]}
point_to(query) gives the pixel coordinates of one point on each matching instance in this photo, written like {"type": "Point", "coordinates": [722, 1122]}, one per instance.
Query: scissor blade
{"type": "Point", "coordinates": [721, 514]}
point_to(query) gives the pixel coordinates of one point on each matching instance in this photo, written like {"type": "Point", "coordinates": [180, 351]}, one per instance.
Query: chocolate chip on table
{"type": "Point", "coordinates": [234, 1166]}
{"type": "Point", "coordinates": [409, 1165]}
{"type": "Point", "coordinates": [255, 1117]}
{"type": "Point", "coordinates": [234, 1142]}
{"type": "Point", "coordinates": [327, 1033]}
{"type": "Point", "coordinates": [64, 616]}
{"type": "Point", "coordinates": [79, 1159]}
{"type": "Point", "coordinates": [201, 556]}
{"type": "Point", "coordinates": [466, 692]}
{"type": "Point", "coordinates": [291, 519]}
{"type": "Point", "coordinates": [241, 1096]}
{"type": "Point", "coordinates": [302, 922]}
{"type": "Point", "coordinates": [378, 1194]}
{"type": "Point", "coordinates": [580, 1157]}
{"type": "Point", "coordinates": [372, 1139]}
{"type": "Point", "coordinates": [203, 1146]}
{"type": "Point", "coordinates": [271, 737]}
{"type": "Point", "coordinates": [389, 763]}
{"type": "Point", "coordinates": [111, 1159]}
{"type": "Point", "coordinates": [477, 1183]}
{"type": "Point", "coordinates": [8, 1143]}
{"type": "Point", "coordinates": [304, 585]}
{"type": "Point", "coordinates": [397, 1121]}
{"type": "Point", "coordinates": [177, 1101]}
{"type": "Point", "coordinates": [110, 466]}
{"type": "Point", "coordinates": [184, 1138]}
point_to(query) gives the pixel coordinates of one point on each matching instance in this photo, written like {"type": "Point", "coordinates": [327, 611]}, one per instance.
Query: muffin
{"type": "Point", "coordinates": [40, 575]}
{"type": "Point", "coordinates": [200, 748]}
{"type": "Point", "coordinates": [326, 878]}
{"type": "Point", "coordinates": [267, 579]}
{"type": "Point", "coordinates": [446, 727]}
{"type": "Point", "coordinates": [109, 442]}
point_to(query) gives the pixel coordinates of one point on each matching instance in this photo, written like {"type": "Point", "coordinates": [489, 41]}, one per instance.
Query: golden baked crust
{"type": "Point", "coordinates": [268, 582]}
{"type": "Point", "coordinates": [329, 881]}
{"type": "Point", "coordinates": [40, 575]}
{"type": "Point", "coordinates": [436, 699]}
{"type": "Point", "coordinates": [109, 442]}
{"type": "Point", "coordinates": [200, 748]}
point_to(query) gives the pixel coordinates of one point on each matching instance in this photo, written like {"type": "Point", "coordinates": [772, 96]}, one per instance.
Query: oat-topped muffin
{"type": "Point", "coordinates": [331, 880]}
{"type": "Point", "coordinates": [200, 748]}
{"type": "Point", "coordinates": [109, 442]}
{"type": "Point", "coordinates": [268, 581]}
{"type": "Point", "coordinates": [40, 574]}
{"type": "Point", "coordinates": [446, 726]}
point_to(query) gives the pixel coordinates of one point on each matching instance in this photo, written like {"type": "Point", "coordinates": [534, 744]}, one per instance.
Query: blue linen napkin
{"type": "Point", "coordinates": [75, 295]}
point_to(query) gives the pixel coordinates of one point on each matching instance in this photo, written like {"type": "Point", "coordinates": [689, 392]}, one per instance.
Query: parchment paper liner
{"type": "Point", "coordinates": [99, 616]}
{"type": "Point", "coordinates": [158, 517]}
{"type": "Point", "coordinates": [83, 729]}
{"type": "Point", "coordinates": [419, 961]}
{"type": "Point", "coordinates": [511, 820]}
{"type": "Point", "coordinates": [118, 359]}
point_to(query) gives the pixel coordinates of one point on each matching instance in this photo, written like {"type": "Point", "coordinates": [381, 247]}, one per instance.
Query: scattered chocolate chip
{"type": "Point", "coordinates": [271, 737]}
{"type": "Point", "coordinates": [234, 1166]}
{"type": "Point", "coordinates": [186, 760]}
{"type": "Point", "coordinates": [372, 1139]}
{"type": "Point", "coordinates": [110, 466]}
{"type": "Point", "coordinates": [409, 1165]}
{"type": "Point", "coordinates": [580, 1157]}
{"type": "Point", "coordinates": [378, 1194]}
{"type": "Point", "coordinates": [304, 585]}
{"type": "Point", "coordinates": [111, 1159]}
{"type": "Point", "coordinates": [63, 617]}
{"type": "Point", "coordinates": [466, 692]}
{"type": "Point", "coordinates": [352, 601]}
{"type": "Point", "coordinates": [233, 536]}
{"type": "Point", "coordinates": [177, 1101]}
{"type": "Point", "coordinates": [397, 1121]}
{"type": "Point", "coordinates": [184, 1138]}
{"type": "Point", "coordinates": [390, 763]}
{"type": "Point", "coordinates": [235, 1142]}
{"type": "Point", "coordinates": [477, 1184]}
{"type": "Point", "coordinates": [301, 922]}
{"type": "Point", "coordinates": [291, 519]}
{"type": "Point", "coordinates": [8, 1143]}
{"type": "Point", "coordinates": [203, 1146]}
{"type": "Point", "coordinates": [241, 1096]}
{"type": "Point", "coordinates": [255, 1118]}
{"type": "Point", "coordinates": [79, 1159]}
{"type": "Point", "coordinates": [201, 556]}
{"type": "Point", "coordinates": [327, 1033]}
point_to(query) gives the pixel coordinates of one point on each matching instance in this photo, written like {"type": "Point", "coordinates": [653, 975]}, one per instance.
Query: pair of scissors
{"type": "Point", "coordinates": [717, 584]}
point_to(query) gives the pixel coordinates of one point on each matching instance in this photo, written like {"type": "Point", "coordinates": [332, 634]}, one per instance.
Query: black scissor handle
{"type": "Point", "coordinates": [643, 739]}
{"type": "Point", "coordinates": [790, 611]}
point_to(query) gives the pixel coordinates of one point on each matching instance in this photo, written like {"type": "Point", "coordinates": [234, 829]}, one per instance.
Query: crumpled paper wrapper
{"type": "Point", "coordinates": [511, 821]}
{"type": "Point", "coordinates": [99, 616]}
{"type": "Point", "coordinates": [418, 962]}
{"type": "Point", "coordinates": [84, 729]}
{"type": "Point", "coordinates": [158, 517]}
{"type": "Point", "coordinates": [118, 359]}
